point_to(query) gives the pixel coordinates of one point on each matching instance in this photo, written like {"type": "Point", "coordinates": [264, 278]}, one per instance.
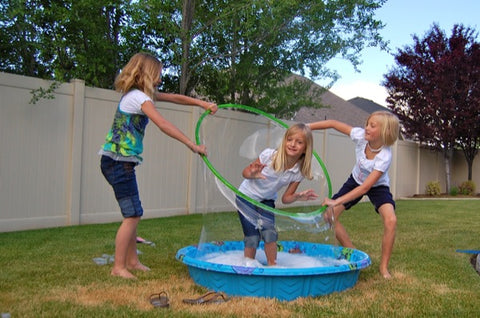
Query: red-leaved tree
{"type": "Point", "coordinates": [435, 91]}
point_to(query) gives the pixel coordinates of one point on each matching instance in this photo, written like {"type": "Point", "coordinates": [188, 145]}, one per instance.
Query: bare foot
{"type": "Point", "coordinates": [140, 267]}
{"type": "Point", "coordinates": [295, 250]}
{"type": "Point", "coordinates": [124, 273]}
{"type": "Point", "coordinates": [385, 274]}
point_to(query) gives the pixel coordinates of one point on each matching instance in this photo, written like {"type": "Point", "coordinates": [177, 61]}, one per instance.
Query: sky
{"type": "Point", "coordinates": [402, 19]}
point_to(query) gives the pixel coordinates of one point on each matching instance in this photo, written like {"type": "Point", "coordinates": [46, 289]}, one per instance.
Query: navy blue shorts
{"type": "Point", "coordinates": [121, 176]}
{"type": "Point", "coordinates": [377, 195]}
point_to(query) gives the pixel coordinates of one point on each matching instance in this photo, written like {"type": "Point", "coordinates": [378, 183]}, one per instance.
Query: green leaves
{"type": "Point", "coordinates": [226, 50]}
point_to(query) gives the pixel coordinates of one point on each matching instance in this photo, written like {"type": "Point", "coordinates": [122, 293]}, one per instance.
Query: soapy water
{"type": "Point", "coordinates": [284, 260]}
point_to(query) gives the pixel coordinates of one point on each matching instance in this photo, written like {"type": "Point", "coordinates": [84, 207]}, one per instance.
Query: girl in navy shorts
{"type": "Point", "coordinates": [369, 177]}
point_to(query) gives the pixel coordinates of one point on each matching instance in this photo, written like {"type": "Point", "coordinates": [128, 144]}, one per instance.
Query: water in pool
{"type": "Point", "coordinates": [284, 260]}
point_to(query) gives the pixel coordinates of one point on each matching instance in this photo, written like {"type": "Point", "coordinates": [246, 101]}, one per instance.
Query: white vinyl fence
{"type": "Point", "coordinates": [49, 166]}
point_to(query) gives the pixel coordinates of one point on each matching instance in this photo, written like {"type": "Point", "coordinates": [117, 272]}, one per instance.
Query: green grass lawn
{"type": "Point", "coordinates": [50, 272]}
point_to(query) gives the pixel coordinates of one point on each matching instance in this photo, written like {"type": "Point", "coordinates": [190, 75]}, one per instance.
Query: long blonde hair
{"type": "Point", "coordinates": [141, 72]}
{"type": "Point", "coordinates": [280, 160]}
{"type": "Point", "coordinates": [390, 126]}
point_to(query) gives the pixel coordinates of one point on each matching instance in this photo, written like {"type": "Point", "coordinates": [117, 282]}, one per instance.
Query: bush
{"type": "Point", "coordinates": [454, 191]}
{"type": "Point", "coordinates": [433, 188]}
{"type": "Point", "coordinates": [467, 188]}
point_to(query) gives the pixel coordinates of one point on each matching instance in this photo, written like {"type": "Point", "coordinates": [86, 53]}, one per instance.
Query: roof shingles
{"type": "Point", "coordinates": [336, 108]}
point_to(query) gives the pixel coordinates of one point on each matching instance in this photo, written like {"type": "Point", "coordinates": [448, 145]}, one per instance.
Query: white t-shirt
{"type": "Point", "coordinates": [266, 189]}
{"type": "Point", "coordinates": [131, 102]}
{"type": "Point", "coordinates": [363, 166]}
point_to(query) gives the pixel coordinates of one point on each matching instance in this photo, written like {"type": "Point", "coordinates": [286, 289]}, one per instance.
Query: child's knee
{"type": "Point", "coordinates": [269, 236]}
{"type": "Point", "coordinates": [251, 241]}
{"type": "Point", "coordinates": [390, 221]}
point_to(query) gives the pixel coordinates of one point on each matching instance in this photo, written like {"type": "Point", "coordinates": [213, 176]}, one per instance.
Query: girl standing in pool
{"type": "Point", "coordinates": [138, 82]}
{"type": "Point", "coordinates": [369, 176]}
{"type": "Point", "coordinates": [271, 171]}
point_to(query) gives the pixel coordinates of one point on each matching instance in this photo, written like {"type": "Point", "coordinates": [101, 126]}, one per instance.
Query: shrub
{"type": "Point", "coordinates": [433, 188]}
{"type": "Point", "coordinates": [454, 191]}
{"type": "Point", "coordinates": [467, 188]}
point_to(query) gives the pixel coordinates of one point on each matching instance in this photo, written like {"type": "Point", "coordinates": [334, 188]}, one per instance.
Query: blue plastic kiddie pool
{"type": "Point", "coordinates": [274, 282]}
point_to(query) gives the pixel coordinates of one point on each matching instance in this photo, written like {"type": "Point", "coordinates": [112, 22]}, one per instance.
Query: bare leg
{"type": "Point", "coordinates": [123, 247]}
{"type": "Point", "coordinates": [133, 262]}
{"type": "Point", "coordinates": [249, 252]}
{"type": "Point", "coordinates": [389, 226]}
{"type": "Point", "coordinates": [271, 253]}
{"type": "Point", "coordinates": [340, 232]}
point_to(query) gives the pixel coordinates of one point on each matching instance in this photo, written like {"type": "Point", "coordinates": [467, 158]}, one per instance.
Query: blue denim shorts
{"type": "Point", "coordinates": [378, 195]}
{"type": "Point", "coordinates": [121, 176]}
{"type": "Point", "coordinates": [250, 215]}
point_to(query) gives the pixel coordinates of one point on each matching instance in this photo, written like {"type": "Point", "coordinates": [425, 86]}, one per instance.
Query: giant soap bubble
{"type": "Point", "coordinates": [234, 138]}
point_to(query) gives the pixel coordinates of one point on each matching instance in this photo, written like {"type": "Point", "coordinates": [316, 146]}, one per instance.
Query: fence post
{"type": "Point", "coordinates": [76, 150]}
{"type": "Point", "coordinates": [193, 164]}
{"type": "Point", "coordinates": [417, 188]}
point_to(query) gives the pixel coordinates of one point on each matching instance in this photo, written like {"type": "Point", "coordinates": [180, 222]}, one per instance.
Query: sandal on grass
{"type": "Point", "coordinates": [159, 300]}
{"type": "Point", "coordinates": [208, 298]}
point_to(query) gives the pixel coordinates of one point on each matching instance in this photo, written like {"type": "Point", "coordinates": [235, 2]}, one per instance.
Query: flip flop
{"type": "Point", "coordinates": [141, 240]}
{"type": "Point", "coordinates": [208, 298]}
{"type": "Point", "coordinates": [159, 300]}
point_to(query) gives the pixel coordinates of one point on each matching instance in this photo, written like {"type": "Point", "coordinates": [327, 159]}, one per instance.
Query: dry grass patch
{"type": "Point", "coordinates": [137, 294]}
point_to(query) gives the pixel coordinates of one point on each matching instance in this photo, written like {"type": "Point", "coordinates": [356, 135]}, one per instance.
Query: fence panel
{"type": "Point", "coordinates": [50, 174]}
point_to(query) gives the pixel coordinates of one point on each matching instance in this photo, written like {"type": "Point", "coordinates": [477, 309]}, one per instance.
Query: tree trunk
{"type": "Point", "coordinates": [470, 153]}
{"type": "Point", "coordinates": [447, 155]}
{"type": "Point", "coordinates": [469, 165]}
{"type": "Point", "coordinates": [187, 17]}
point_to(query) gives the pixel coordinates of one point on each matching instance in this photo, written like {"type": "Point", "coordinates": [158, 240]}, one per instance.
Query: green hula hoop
{"type": "Point", "coordinates": [234, 189]}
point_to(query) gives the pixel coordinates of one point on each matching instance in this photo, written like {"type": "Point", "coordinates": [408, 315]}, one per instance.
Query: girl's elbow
{"type": "Point", "coordinates": [287, 199]}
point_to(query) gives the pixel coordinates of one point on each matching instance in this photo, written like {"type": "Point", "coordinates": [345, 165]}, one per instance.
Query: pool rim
{"type": "Point", "coordinates": [358, 260]}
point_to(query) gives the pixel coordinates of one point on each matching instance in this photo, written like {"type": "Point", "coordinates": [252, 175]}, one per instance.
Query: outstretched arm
{"type": "Point", "coordinates": [331, 123]}
{"type": "Point", "coordinates": [291, 196]}
{"type": "Point", "coordinates": [357, 192]}
{"type": "Point", "coordinates": [170, 129]}
{"type": "Point", "coordinates": [185, 100]}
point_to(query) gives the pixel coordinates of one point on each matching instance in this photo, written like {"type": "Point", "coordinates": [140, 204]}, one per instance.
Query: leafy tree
{"type": "Point", "coordinates": [62, 39]}
{"type": "Point", "coordinates": [227, 50]}
{"type": "Point", "coordinates": [244, 51]}
{"type": "Point", "coordinates": [434, 89]}
{"type": "Point", "coordinates": [20, 40]}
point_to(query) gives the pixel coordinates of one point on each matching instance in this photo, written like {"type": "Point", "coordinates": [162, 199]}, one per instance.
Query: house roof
{"type": "Point", "coordinates": [335, 108]}
{"type": "Point", "coordinates": [367, 104]}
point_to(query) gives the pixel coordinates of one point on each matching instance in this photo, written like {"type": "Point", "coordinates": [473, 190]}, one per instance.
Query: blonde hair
{"type": "Point", "coordinates": [390, 126]}
{"type": "Point", "coordinates": [280, 160]}
{"type": "Point", "coordinates": [141, 72]}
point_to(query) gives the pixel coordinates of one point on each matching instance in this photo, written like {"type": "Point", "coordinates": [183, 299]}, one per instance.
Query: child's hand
{"type": "Point", "coordinates": [212, 107]}
{"type": "Point", "coordinates": [200, 149]}
{"type": "Point", "coordinates": [329, 202]}
{"type": "Point", "coordinates": [307, 195]}
{"type": "Point", "coordinates": [256, 170]}
{"type": "Point", "coordinates": [329, 215]}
